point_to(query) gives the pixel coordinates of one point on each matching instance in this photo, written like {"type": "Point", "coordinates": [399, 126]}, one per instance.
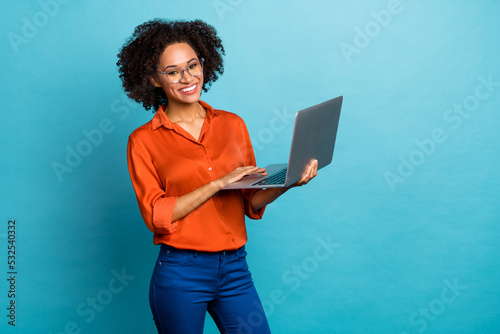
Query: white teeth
{"type": "Point", "coordinates": [188, 89]}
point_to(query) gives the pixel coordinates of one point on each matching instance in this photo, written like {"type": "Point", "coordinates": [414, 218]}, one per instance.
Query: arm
{"type": "Point", "coordinates": [266, 196]}
{"type": "Point", "coordinates": [187, 203]}
{"type": "Point", "coordinates": [161, 212]}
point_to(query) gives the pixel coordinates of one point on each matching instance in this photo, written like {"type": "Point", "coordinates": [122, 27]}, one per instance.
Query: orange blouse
{"type": "Point", "coordinates": [166, 162]}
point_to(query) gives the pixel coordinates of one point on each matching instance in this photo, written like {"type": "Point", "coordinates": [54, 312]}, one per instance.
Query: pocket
{"type": "Point", "coordinates": [174, 257]}
{"type": "Point", "coordinates": [242, 253]}
{"type": "Point", "coordinates": [241, 260]}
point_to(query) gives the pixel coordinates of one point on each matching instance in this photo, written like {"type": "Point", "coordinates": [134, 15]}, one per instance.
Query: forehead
{"type": "Point", "coordinates": [177, 54]}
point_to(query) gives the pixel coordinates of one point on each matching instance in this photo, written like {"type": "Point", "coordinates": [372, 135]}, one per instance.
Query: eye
{"type": "Point", "coordinates": [193, 65]}
{"type": "Point", "coordinates": [173, 72]}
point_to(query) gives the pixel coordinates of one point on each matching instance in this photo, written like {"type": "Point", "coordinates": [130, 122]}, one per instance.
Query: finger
{"type": "Point", "coordinates": [311, 172]}
{"type": "Point", "coordinates": [257, 170]}
{"type": "Point", "coordinates": [314, 170]}
{"type": "Point", "coordinates": [305, 176]}
{"type": "Point", "coordinates": [242, 171]}
{"type": "Point", "coordinates": [248, 167]}
{"type": "Point", "coordinates": [253, 171]}
{"type": "Point", "coordinates": [314, 165]}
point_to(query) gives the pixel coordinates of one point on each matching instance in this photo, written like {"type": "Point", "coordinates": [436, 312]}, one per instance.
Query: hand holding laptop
{"type": "Point", "coordinates": [310, 173]}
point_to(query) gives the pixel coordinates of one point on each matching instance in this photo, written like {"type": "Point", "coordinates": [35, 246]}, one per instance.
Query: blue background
{"type": "Point", "coordinates": [410, 205]}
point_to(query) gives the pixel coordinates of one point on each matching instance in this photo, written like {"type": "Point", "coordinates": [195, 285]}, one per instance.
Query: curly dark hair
{"type": "Point", "coordinates": [139, 56]}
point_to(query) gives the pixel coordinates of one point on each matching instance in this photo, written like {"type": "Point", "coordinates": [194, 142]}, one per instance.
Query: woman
{"type": "Point", "coordinates": [179, 162]}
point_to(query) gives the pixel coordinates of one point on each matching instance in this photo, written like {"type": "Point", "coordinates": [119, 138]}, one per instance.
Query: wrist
{"type": "Point", "coordinates": [216, 184]}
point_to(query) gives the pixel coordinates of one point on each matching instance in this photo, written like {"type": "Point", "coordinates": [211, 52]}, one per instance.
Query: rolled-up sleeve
{"type": "Point", "coordinates": [247, 200]}
{"type": "Point", "coordinates": [156, 208]}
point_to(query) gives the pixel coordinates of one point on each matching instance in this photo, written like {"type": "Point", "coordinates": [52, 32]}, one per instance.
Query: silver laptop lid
{"type": "Point", "coordinates": [313, 137]}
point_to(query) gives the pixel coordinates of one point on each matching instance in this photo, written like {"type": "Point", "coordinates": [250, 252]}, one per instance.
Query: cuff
{"type": "Point", "coordinates": [249, 212]}
{"type": "Point", "coordinates": [163, 212]}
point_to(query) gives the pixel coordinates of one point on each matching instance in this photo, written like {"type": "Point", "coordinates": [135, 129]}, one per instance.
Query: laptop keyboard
{"type": "Point", "coordinates": [277, 178]}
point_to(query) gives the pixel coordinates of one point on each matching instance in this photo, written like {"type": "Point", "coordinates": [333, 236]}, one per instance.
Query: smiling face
{"type": "Point", "coordinates": [188, 89]}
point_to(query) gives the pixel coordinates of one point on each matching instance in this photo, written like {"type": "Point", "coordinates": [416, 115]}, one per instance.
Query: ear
{"type": "Point", "coordinates": [153, 80]}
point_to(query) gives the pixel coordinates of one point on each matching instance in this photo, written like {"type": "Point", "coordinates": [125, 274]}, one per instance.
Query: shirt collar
{"type": "Point", "coordinates": [161, 119]}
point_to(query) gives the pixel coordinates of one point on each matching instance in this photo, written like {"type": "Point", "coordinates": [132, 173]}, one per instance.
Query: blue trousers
{"type": "Point", "coordinates": [186, 284]}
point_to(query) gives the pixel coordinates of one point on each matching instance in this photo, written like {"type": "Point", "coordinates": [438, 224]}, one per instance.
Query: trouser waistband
{"type": "Point", "coordinates": [167, 248]}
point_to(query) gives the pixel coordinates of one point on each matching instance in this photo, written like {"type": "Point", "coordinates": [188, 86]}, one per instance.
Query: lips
{"type": "Point", "coordinates": [189, 90]}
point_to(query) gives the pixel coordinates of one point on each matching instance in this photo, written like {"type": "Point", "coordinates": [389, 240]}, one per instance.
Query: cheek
{"type": "Point", "coordinates": [168, 88]}
{"type": "Point", "coordinates": [202, 80]}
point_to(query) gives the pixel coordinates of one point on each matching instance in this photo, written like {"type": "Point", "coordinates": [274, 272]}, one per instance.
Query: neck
{"type": "Point", "coordinates": [181, 112]}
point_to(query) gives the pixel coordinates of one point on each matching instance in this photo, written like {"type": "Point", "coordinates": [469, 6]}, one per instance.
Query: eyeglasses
{"type": "Point", "coordinates": [175, 74]}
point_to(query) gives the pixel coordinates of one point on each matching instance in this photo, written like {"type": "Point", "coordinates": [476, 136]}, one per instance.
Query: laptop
{"type": "Point", "coordinates": [314, 134]}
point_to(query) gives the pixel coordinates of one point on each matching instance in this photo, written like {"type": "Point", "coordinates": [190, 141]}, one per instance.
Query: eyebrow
{"type": "Point", "coordinates": [190, 60]}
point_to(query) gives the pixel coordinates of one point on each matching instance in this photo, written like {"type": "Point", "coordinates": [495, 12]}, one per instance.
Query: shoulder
{"type": "Point", "coordinates": [231, 125]}
{"type": "Point", "coordinates": [230, 122]}
{"type": "Point", "coordinates": [142, 132]}
{"type": "Point", "coordinates": [228, 116]}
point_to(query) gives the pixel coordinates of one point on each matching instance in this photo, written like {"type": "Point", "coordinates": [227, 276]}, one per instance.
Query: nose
{"type": "Point", "coordinates": [186, 76]}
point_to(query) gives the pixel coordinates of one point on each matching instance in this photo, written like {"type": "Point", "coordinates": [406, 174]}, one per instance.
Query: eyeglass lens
{"type": "Point", "coordinates": [175, 74]}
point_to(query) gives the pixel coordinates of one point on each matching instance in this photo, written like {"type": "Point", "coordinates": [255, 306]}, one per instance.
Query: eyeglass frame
{"type": "Point", "coordinates": [201, 60]}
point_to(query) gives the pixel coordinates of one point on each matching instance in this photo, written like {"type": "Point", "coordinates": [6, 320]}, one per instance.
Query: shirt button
{"type": "Point", "coordinates": [222, 217]}
{"type": "Point", "coordinates": [232, 239]}
{"type": "Point", "coordinates": [209, 168]}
